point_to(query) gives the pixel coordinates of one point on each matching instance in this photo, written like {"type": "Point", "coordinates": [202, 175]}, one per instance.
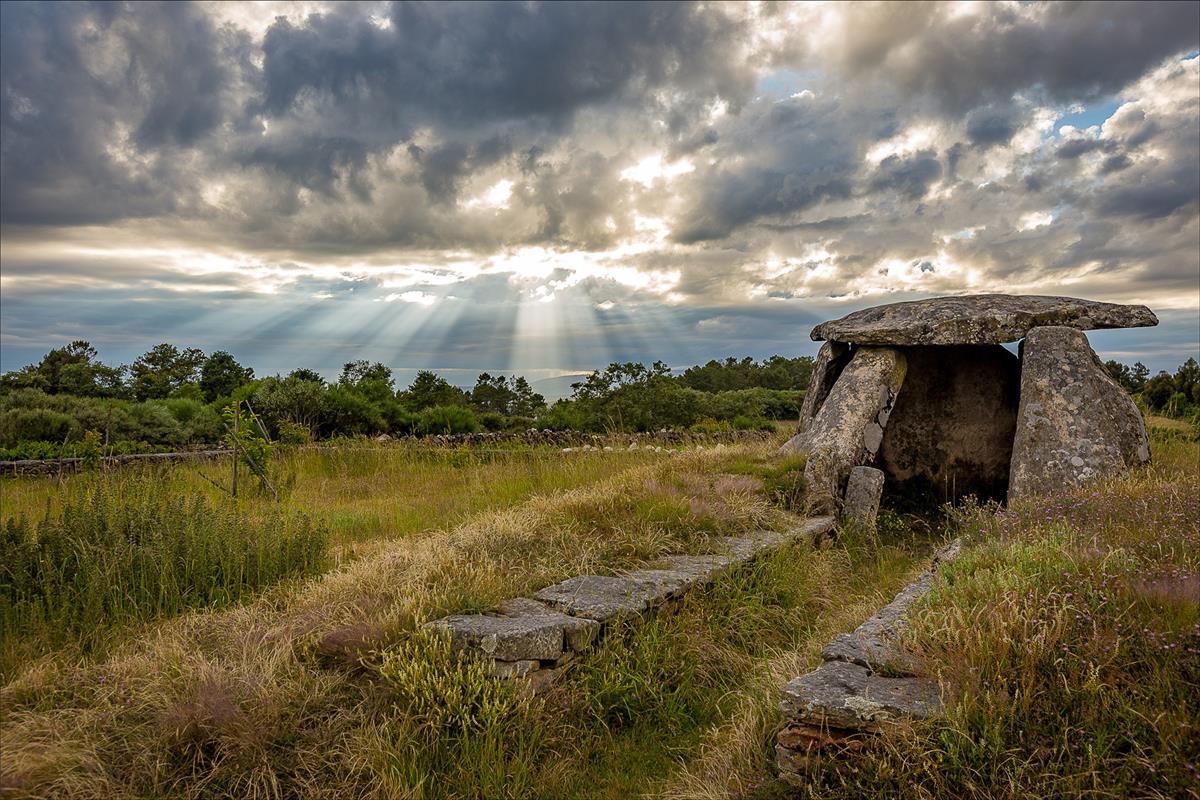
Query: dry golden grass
{"type": "Point", "coordinates": [265, 699]}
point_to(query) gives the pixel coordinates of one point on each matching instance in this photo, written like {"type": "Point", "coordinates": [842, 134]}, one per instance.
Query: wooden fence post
{"type": "Point", "coordinates": [237, 412]}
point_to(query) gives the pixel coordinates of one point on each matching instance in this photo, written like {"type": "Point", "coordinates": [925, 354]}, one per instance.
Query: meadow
{"type": "Point", "coordinates": [317, 681]}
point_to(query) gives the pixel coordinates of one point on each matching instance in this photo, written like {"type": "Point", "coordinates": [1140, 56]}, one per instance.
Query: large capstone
{"type": "Point", "coordinates": [1074, 422]}
{"type": "Point", "coordinates": [848, 428]}
{"type": "Point", "coordinates": [976, 319]}
{"type": "Point", "coordinates": [951, 432]}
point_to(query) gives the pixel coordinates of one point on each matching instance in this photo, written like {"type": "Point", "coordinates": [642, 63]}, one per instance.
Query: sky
{"type": "Point", "coordinates": [545, 188]}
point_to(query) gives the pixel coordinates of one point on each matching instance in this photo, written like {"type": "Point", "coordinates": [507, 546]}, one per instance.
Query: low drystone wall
{"type": "Point", "coordinates": [566, 439]}
{"type": "Point", "coordinates": [866, 681]}
{"type": "Point", "coordinates": [534, 638]}
{"type": "Point", "coordinates": [50, 466]}
{"type": "Point", "coordinates": [576, 439]}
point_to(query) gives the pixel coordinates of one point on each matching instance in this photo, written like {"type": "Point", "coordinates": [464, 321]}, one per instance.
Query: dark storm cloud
{"type": "Point", "coordinates": [1071, 51]}
{"type": "Point", "coordinates": [910, 176]}
{"type": "Point", "coordinates": [95, 98]}
{"type": "Point", "coordinates": [782, 158]}
{"type": "Point", "coordinates": [912, 151]}
{"type": "Point", "coordinates": [460, 64]}
{"type": "Point", "coordinates": [992, 125]}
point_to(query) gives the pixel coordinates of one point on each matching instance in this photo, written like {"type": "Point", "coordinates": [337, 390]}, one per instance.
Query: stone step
{"type": "Point", "coordinates": [532, 638]}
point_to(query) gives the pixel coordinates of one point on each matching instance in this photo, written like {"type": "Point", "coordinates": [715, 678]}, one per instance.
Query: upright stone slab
{"type": "Point", "coordinates": [848, 429]}
{"type": "Point", "coordinates": [831, 360]}
{"type": "Point", "coordinates": [951, 432]}
{"type": "Point", "coordinates": [864, 488]}
{"type": "Point", "coordinates": [1075, 423]}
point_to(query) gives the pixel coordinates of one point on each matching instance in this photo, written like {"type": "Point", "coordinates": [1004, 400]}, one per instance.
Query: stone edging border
{"type": "Point", "coordinates": [534, 638]}
{"type": "Point", "coordinates": [866, 681]}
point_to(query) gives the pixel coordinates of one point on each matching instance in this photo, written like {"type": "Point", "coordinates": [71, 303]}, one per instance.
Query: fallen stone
{"type": "Point", "coordinates": [842, 434]}
{"type": "Point", "coordinates": [531, 638]}
{"type": "Point", "coordinates": [831, 360]}
{"type": "Point", "coordinates": [840, 694]}
{"type": "Point", "coordinates": [1074, 423]}
{"type": "Point", "coordinates": [864, 488]}
{"type": "Point", "coordinates": [977, 319]}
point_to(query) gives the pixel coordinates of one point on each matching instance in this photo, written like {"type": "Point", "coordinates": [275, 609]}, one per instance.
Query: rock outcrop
{"type": "Point", "coordinates": [1074, 423]}
{"type": "Point", "coordinates": [977, 319]}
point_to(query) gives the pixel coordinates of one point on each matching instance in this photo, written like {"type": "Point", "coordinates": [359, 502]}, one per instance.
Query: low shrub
{"type": "Point", "coordinates": [447, 419]}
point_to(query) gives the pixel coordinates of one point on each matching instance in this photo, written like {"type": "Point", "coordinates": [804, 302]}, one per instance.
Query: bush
{"type": "Point", "coordinates": [291, 433]}
{"type": "Point", "coordinates": [348, 413]}
{"type": "Point", "coordinates": [493, 421]}
{"type": "Point", "coordinates": [742, 423]}
{"type": "Point", "coordinates": [447, 419]}
{"type": "Point", "coordinates": [36, 424]}
{"type": "Point", "coordinates": [155, 423]}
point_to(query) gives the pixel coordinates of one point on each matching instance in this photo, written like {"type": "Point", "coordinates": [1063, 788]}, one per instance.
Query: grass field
{"type": "Point", "coordinates": [319, 684]}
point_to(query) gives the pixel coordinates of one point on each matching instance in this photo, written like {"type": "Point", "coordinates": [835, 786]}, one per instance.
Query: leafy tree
{"type": "Point", "coordinates": [1158, 390]}
{"type": "Point", "coordinates": [221, 374]}
{"type": "Point", "coordinates": [492, 393]}
{"type": "Point", "coordinates": [164, 369]}
{"type": "Point", "coordinates": [305, 374]}
{"type": "Point", "coordinates": [72, 369]}
{"type": "Point", "coordinates": [527, 402]}
{"type": "Point", "coordinates": [429, 389]}
{"type": "Point", "coordinates": [355, 373]}
{"type": "Point", "coordinates": [776, 372]}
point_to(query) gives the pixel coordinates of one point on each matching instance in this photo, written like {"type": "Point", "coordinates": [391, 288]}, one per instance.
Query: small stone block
{"type": "Point", "coordinates": [579, 633]}
{"type": "Point", "coordinates": [514, 669]}
{"type": "Point", "coordinates": [844, 695]}
{"type": "Point", "coordinates": [504, 638]}
{"type": "Point", "coordinates": [863, 491]}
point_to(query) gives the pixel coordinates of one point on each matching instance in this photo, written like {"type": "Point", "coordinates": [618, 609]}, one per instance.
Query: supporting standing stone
{"type": "Point", "coordinates": [849, 427]}
{"type": "Point", "coordinates": [830, 361]}
{"type": "Point", "coordinates": [1074, 422]}
{"type": "Point", "coordinates": [863, 490]}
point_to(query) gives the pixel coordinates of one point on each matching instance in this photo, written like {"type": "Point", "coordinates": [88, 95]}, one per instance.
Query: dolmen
{"type": "Point", "coordinates": [925, 392]}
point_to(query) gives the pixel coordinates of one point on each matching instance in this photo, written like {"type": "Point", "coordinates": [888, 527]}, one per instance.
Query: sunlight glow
{"type": "Point", "coordinates": [652, 168]}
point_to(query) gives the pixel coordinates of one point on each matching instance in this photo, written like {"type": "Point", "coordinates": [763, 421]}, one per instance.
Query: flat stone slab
{"type": "Point", "coordinates": [504, 638]}
{"type": "Point", "coordinates": [607, 597]}
{"type": "Point", "coordinates": [977, 319]}
{"type": "Point", "coordinates": [848, 696]}
{"type": "Point", "coordinates": [876, 643]}
{"type": "Point", "coordinates": [578, 633]}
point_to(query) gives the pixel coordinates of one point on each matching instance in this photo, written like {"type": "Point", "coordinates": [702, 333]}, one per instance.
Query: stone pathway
{"type": "Point", "coordinates": [533, 638]}
{"type": "Point", "coordinates": [867, 681]}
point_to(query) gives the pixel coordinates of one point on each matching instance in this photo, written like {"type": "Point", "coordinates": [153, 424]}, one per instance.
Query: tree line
{"type": "Point", "coordinates": [172, 397]}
